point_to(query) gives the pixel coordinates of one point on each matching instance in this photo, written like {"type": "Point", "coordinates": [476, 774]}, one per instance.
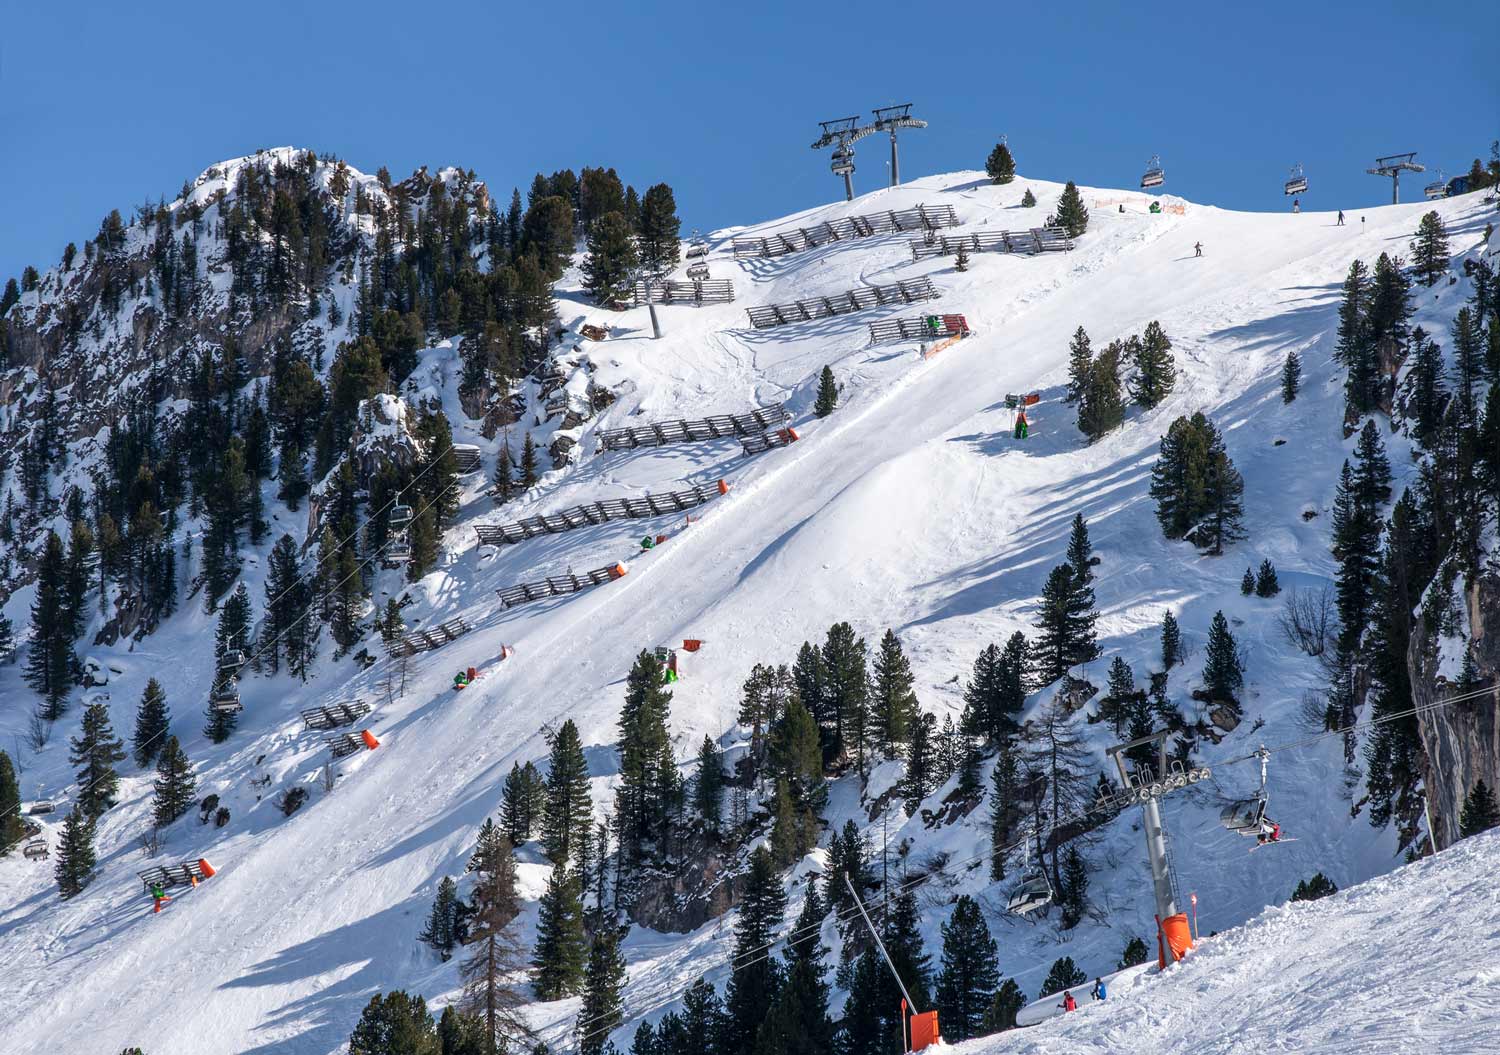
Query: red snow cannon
{"type": "Point", "coordinates": [692, 644]}
{"type": "Point", "coordinates": [369, 739]}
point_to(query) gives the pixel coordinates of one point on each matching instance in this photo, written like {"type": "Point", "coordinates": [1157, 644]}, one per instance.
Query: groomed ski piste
{"type": "Point", "coordinates": [911, 507]}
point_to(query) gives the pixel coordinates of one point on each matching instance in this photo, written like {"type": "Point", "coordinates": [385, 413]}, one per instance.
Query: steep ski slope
{"type": "Point", "coordinates": [908, 508]}
{"type": "Point", "coordinates": [1408, 958]}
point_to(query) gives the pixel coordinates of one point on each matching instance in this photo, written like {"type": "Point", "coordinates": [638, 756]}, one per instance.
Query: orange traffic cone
{"type": "Point", "coordinates": [206, 868]}
{"type": "Point", "coordinates": [369, 739]}
{"type": "Point", "coordinates": [723, 488]}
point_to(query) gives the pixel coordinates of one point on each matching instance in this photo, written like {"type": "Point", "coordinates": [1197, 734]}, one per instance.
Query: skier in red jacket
{"type": "Point", "coordinates": [1068, 1004]}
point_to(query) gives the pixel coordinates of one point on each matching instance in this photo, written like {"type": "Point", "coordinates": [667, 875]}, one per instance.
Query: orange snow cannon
{"type": "Point", "coordinates": [1173, 936]}
{"type": "Point", "coordinates": [369, 739]}
{"type": "Point", "coordinates": [618, 571]}
{"type": "Point", "coordinates": [206, 868]}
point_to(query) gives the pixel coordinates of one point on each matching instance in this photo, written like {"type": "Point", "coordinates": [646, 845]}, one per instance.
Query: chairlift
{"type": "Point", "coordinates": [231, 662]}
{"type": "Point", "coordinates": [36, 850]}
{"type": "Point", "coordinates": [1438, 188]}
{"type": "Point", "coordinates": [1034, 891]}
{"type": "Point", "coordinates": [1296, 182]}
{"type": "Point", "coordinates": [400, 519]}
{"type": "Point", "coordinates": [697, 270]}
{"type": "Point", "coordinates": [1248, 816]}
{"type": "Point", "coordinates": [42, 807]}
{"type": "Point", "coordinates": [398, 550]}
{"type": "Point", "coordinates": [843, 161]}
{"type": "Point", "coordinates": [1154, 176]}
{"type": "Point", "coordinates": [226, 698]}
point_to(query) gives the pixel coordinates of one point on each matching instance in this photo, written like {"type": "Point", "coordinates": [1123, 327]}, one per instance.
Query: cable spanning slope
{"type": "Point", "coordinates": [908, 507]}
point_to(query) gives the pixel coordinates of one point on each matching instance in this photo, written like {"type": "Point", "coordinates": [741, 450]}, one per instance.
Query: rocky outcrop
{"type": "Point", "coordinates": [706, 883]}
{"type": "Point", "coordinates": [1461, 742]}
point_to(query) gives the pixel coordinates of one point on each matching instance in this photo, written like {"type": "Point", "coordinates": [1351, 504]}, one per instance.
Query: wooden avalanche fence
{"type": "Point", "coordinates": [1036, 240]}
{"type": "Point", "coordinates": [698, 291]}
{"type": "Point", "coordinates": [428, 639]}
{"type": "Point", "coordinates": [188, 873]}
{"type": "Point", "coordinates": [651, 505]}
{"type": "Point", "coordinates": [769, 440]}
{"type": "Point", "coordinates": [799, 239]}
{"type": "Point", "coordinates": [662, 433]}
{"type": "Point", "coordinates": [338, 714]}
{"type": "Point", "coordinates": [918, 328]}
{"type": "Point", "coordinates": [558, 585]}
{"type": "Point", "coordinates": [908, 291]}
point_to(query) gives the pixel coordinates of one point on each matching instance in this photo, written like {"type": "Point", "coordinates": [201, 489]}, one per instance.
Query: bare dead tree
{"type": "Point", "coordinates": [1309, 620]}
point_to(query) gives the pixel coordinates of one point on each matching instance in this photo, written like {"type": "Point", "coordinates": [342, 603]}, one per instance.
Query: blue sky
{"type": "Point", "coordinates": [107, 105]}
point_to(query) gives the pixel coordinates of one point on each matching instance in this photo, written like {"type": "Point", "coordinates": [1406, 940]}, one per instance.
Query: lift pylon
{"type": "Point", "coordinates": [891, 119]}
{"type": "Point", "coordinates": [1393, 165]}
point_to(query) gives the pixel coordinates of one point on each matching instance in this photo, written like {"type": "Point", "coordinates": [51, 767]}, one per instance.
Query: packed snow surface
{"type": "Point", "coordinates": [909, 508]}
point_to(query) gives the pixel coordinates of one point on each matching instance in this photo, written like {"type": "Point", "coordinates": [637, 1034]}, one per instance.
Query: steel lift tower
{"type": "Point", "coordinates": [890, 119]}
{"type": "Point", "coordinates": [842, 134]}
{"type": "Point", "coordinates": [1393, 166]}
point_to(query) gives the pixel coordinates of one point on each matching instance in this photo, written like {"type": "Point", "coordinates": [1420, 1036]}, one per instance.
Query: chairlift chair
{"type": "Point", "coordinates": [1248, 816]}
{"type": "Point", "coordinates": [1154, 176]}
{"type": "Point", "coordinates": [1296, 183]}
{"type": "Point", "coordinates": [231, 662]}
{"type": "Point", "coordinates": [1438, 188]}
{"type": "Point", "coordinates": [400, 519]}
{"type": "Point", "coordinates": [697, 270]}
{"type": "Point", "coordinates": [843, 162]}
{"type": "Point", "coordinates": [398, 550]}
{"type": "Point", "coordinates": [226, 698]}
{"type": "Point", "coordinates": [42, 807]}
{"type": "Point", "coordinates": [1031, 893]}
{"type": "Point", "coordinates": [36, 850]}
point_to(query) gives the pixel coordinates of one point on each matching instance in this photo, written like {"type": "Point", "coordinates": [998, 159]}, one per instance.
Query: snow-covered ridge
{"type": "Point", "coordinates": [909, 507]}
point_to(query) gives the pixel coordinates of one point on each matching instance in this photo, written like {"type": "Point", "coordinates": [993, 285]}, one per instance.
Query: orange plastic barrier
{"type": "Point", "coordinates": [369, 739]}
{"type": "Point", "coordinates": [618, 571]}
{"type": "Point", "coordinates": [692, 644]}
{"type": "Point", "coordinates": [723, 488]}
{"type": "Point", "coordinates": [924, 1030]}
{"type": "Point", "coordinates": [1174, 935]}
{"type": "Point", "coordinates": [206, 868]}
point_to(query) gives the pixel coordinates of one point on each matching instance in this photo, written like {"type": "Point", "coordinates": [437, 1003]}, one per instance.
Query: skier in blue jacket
{"type": "Point", "coordinates": [1099, 991]}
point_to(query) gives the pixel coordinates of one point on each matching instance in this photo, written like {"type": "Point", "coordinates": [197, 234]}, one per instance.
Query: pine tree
{"type": "Point", "coordinates": [568, 813]}
{"type": "Point", "coordinates": [1266, 584]}
{"type": "Point", "coordinates": [1003, 1009]}
{"type": "Point", "coordinates": [649, 787]}
{"type": "Point", "coordinates": [1065, 625]}
{"type": "Point", "coordinates": [1355, 303]}
{"type": "Point", "coordinates": [151, 721]}
{"type": "Point", "coordinates": [893, 704]}
{"type": "Point", "coordinates": [12, 829]}
{"type": "Point", "coordinates": [708, 787]}
{"type": "Point", "coordinates": [961, 259]}
{"type": "Point", "coordinates": [902, 935]}
{"type": "Point", "coordinates": [660, 237]}
{"type": "Point", "coordinates": [175, 784]}
{"type": "Point", "coordinates": [1155, 371]}
{"type": "Point", "coordinates": [921, 764]}
{"type": "Point", "coordinates": [561, 952]}
{"type": "Point", "coordinates": [529, 474]}
{"type": "Point", "coordinates": [1135, 953]}
{"type": "Point", "coordinates": [50, 662]}
{"type": "Point", "coordinates": [96, 749]}
{"type": "Point", "coordinates": [603, 1006]}
{"type": "Point", "coordinates": [1101, 407]}
{"type": "Point", "coordinates": [1080, 363]}
{"type": "Point", "coordinates": [517, 803]}
{"type": "Point", "coordinates": [611, 259]}
{"type": "Point", "coordinates": [75, 854]}
{"type": "Point", "coordinates": [1063, 975]}
{"type": "Point", "coordinates": [1429, 252]}
{"type": "Point", "coordinates": [984, 712]}
{"type": "Point", "coordinates": [1071, 214]}
{"type": "Point", "coordinates": [1222, 671]}
{"type": "Point", "coordinates": [394, 1023]}
{"type": "Point", "coordinates": [1028, 200]}
{"type": "Point", "coordinates": [1074, 889]}
{"type": "Point", "coordinates": [1000, 165]}
{"type": "Point", "coordinates": [1429, 394]}
{"type": "Point", "coordinates": [970, 975]}
{"type": "Point", "coordinates": [1291, 376]}
{"type": "Point", "coordinates": [1081, 550]}
{"type": "Point", "coordinates": [844, 697]}
{"type": "Point", "coordinates": [828, 394]}
{"type": "Point", "coordinates": [1196, 487]}
{"type": "Point", "coordinates": [505, 473]}
{"type": "Point", "coordinates": [1247, 583]}
{"type": "Point", "coordinates": [442, 920]}
{"type": "Point", "coordinates": [1319, 886]}
{"type": "Point", "coordinates": [1006, 807]}
{"type": "Point", "coordinates": [755, 980]}
{"type": "Point", "coordinates": [797, 1022]}
{"type": "Point", "coordinates": [1480, 812]}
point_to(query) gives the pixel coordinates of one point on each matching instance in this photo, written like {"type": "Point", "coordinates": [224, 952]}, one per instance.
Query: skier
{"type": "Point", "coordinates": [1341, 219]}
{"type": "Point", "coordinates": [1068, 1004]}
{"type": "Point", "coordinates": [1099, 991]}
{"type": "Point", "coordinates": [1197, 248]}
{"type": "Point", "coordinates": [158, 896]}
{"type": "Point", "coordinates": [1270, 832]}
{"type": "Point", "coordinates": [1023, 428]}
{"type": "Point", "coordinates": [1296, 205]}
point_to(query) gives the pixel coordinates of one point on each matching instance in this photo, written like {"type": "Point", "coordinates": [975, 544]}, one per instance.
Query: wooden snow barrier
{"type": "Point", "coordinates": [907, 291]}
{"type": "Point", "coordinates": [187, 873]}
{"type": "Point", "coordinates": [1033, 241]}
{"type": "Point", "coordinates": [650, 505]}
{"type": "Point", "coordinates": [918, 328]}
{"type": "Point", "coordinates": [344, 713]}
{"type": "Point", "coordinates": [466, 455]}
{"type": "Point", "coordinates": [346, 744]}
{"type": "Point", "coordinates": [662, 433]}
{"type": "Point", "coordinates": [428, 639]}
{"type": "Point", "coordinates": [695, 291]}
{"type": "Point", "coordinates": [769, 440]}
{"type": "Point", "coordinates": [559, 585]}
{"type": "Point", "coordinates": [799, 239]}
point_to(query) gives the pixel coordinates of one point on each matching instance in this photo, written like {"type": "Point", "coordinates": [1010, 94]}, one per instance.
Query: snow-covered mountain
{"type": "Point", "coordinates": [910, 507]}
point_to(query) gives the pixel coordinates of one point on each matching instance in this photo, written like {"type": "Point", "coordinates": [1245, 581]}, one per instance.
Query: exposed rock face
{"type": "Point", "coordinates": [701, 888]}
{"type": "Point", "coordinates": [1461, 742]}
